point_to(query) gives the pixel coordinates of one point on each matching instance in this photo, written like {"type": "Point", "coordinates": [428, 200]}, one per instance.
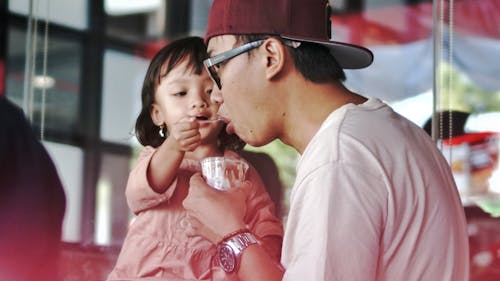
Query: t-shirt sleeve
{"type": "Point", "coordinates": [334, 228]}
{"type": "Point", "coordinates": [139, 193]}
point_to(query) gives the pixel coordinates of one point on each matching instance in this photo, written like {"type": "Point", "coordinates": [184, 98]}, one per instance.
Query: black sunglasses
{"type": "Point", "coordinates": [213, 63]}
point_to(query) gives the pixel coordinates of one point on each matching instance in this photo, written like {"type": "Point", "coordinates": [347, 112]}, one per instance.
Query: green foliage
{"type": "Point", "coordinates": [285, 158]}
{"type": "Point", "coordinates": [458, 92]}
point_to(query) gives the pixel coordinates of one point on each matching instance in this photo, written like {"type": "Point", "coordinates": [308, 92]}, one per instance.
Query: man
{"type": "Point", "coordinates": [373, 197]}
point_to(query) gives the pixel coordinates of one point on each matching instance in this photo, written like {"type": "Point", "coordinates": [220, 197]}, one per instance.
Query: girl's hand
{"type": "Point", "coordinates": [185, 134]}
{"type": "Point", "coordinates": [214, 213]}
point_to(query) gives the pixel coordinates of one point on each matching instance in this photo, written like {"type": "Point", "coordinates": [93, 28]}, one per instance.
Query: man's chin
{"type": "Point", "coordinates": [230, 130]}
{"type": "Point", "coordinates": [247, 138]}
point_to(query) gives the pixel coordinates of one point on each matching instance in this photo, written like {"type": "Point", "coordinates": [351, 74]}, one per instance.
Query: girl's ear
{"type": "Point", "coordinates": [156, 115]}
{"type": "Point", "coordinates": [275, 57]}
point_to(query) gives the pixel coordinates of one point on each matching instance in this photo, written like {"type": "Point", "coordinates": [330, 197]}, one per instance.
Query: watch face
{"type": "Point", "coordinates": [227, 259]}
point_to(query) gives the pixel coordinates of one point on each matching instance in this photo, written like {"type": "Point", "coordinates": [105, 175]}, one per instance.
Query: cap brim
{"type": "Point", "coordinates": [349, 56]}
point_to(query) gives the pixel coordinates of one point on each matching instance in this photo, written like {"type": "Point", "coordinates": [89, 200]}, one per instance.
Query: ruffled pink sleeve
{"type": "Point", "coordinates": [261, 212]}
{"type": "Point", "coordinates": [140, 195]}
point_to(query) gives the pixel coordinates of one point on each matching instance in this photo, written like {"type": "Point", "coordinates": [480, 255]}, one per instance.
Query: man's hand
{"type": "Point", "coordinates": [215, 213]}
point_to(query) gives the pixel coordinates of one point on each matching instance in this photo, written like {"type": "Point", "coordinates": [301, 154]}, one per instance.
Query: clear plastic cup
{"type": "Point", "coordinates": [223, 173]}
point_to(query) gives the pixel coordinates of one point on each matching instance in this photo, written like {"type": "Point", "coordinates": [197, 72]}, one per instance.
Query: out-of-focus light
{"type": "Point", "coordinates": [126, 7]}
{"type": "Point", "coordinates": [43, 82]}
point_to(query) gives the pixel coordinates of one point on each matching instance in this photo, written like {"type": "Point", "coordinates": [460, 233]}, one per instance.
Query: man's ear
{"type": "Point", "coordinates": [275, 53]}
{"type": "Point", "coordinates": [156, 115]}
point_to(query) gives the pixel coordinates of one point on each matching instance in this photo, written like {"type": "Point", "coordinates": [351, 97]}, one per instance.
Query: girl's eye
{"type": "Point", "coordinates": [209, 91]}
{"type": "Point", "coordinates": [181, 94]}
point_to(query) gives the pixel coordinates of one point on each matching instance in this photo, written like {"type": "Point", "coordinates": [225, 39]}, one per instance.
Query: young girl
{"type": "Point", "coordinates": [176, 128]}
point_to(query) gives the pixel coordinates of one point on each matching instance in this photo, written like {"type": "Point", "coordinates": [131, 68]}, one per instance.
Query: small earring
{"type": "Point", "coordinates": [162, 134]}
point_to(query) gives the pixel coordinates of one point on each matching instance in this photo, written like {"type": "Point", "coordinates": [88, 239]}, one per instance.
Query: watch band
{"type": "Point", "coordinates": [227, 236]}
{"type": "Point", "coordinates": [229, 251]}
{"type": "Point", "coordinates": [241, 241]}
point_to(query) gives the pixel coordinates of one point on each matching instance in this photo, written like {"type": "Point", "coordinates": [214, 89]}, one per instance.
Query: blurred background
{"type": "Point", "coordinates": [76, 69]}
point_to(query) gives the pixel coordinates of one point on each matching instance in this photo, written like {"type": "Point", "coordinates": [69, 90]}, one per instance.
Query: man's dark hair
{"type": "Point", "coordinates": [313, 61]}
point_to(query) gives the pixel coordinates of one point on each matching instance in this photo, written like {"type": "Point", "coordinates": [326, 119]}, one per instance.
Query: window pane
{"type": "Point", "coordinates": [69, 164]}
{"type": "Point", "coordinates": [121, 101]}
{"type": "Point", "coordinates": [63, 65]}
{"type": "Point", "coordinates": [112, 213]}
{"type": "Point", "coordinates": [135, 21]}
{"type": "Point", "coordinates": [68, 13]}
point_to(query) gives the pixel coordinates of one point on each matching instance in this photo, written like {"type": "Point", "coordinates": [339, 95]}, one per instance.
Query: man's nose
{"type": "Point", "coordinates": [216, 95]}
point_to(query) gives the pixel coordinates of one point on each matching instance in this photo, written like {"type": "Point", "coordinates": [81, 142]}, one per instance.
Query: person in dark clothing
{"type": "Point", "coordinates": [457, 124]}
{"type": "Point", "coordinates": [32, 202]}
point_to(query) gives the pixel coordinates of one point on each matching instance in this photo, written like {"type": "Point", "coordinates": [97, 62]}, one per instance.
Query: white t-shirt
{"type": "Point", "coordinates": [374, 199]}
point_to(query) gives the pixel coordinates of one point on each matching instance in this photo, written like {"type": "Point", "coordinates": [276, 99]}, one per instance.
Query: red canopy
{"type": "Point", "coordinates": [404, 24]}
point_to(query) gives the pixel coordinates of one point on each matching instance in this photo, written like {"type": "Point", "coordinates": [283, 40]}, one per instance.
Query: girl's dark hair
{"type": "Point", "coordinates": [162, 63]}
{"type": "Point", "coordinates": [313, 61]}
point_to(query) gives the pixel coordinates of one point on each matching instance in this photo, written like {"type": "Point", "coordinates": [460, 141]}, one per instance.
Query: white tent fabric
{"type": "Point", "coordinates": [402, 71]}
{"type": "Point", "coordinates": [479, 58]}
{"type": "Point", "coordinates": [397, 72]}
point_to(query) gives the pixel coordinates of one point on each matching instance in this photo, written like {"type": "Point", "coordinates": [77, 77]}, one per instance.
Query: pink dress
{"type": "Point", "coordinates": [157, 246]}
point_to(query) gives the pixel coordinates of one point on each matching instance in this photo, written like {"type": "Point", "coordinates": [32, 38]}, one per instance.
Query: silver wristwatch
{"type": "Point", "coordinates": [229, 251]}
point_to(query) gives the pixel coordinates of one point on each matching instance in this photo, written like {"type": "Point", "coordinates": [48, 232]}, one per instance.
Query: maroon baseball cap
{"type": "Point", "coordinates": [297, 20]}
